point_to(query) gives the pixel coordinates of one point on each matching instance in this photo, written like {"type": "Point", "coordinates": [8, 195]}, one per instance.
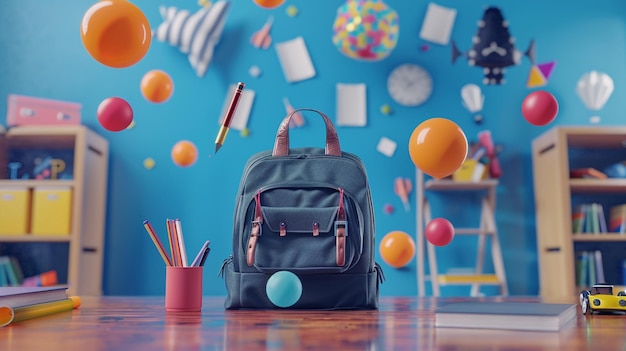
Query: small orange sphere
{"type": "Point", "coordinates": [156, 86]}
{"type": "Point", "coordinates": [438, 147]}
{"type": "Point", "coordinates": [397, 249]}
{"type": "Point", "coordinates": [115, 33]}
{"type": "Point", "coordinates": [269, 4]}
{"type": "Point", "coordinates": [184, 153]}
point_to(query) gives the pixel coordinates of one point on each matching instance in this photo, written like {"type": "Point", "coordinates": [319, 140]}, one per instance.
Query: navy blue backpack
{"type": "Point", "coordinates": [308, 211]}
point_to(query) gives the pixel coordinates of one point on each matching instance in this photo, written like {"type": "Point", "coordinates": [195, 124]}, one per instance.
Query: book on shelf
{"type": "Point", "coordinates": [18, 296]}
{"type": "Point", "coordinates": [617, 219]}
{"type": "Point", "coordinates": [9, 275]}
{"type": "Point", "coordinates": [535, 316]}
{"type": "Point", "coordinates": [589, 268]}
{"type": "Point", "coordinates": [588, 172]}
{"type": "Point", "coordinates": [589, 218]}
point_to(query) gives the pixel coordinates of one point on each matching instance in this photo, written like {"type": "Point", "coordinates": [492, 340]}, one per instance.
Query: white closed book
{"type": "Point", "coordinates": [535, 316]}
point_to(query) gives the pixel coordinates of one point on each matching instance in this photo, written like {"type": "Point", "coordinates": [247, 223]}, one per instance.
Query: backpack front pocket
{"type": "Point", "coordinates": [306, 240]}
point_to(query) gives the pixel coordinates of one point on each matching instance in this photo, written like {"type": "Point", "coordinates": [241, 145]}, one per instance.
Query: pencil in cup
{"type": "Point", "coordinates": [202, 255]}
{"type": "Point", "coordinates": [10, 315]}
{"type": "Point", "coordinates": [157, 242]}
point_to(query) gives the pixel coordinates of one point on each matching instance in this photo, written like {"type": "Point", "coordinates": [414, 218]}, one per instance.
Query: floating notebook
{"type": "Point", "coordinates": [505, 315]}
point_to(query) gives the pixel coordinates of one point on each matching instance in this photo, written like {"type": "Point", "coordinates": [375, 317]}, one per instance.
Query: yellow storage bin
{"type": "Point", "coordinates": [14, 210]}
{"type": "Point", "coordinates": [52, 210]}
{"type": "Point", "coordinates": [471, 171]}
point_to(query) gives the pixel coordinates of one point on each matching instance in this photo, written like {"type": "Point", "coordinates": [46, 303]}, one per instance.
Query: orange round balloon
{"type": "Point", "coordinates": [184, 153]}
{"type": "Point", "coordinates": [269, 4]}
{"type": "Point", "coordinates": [397, 249]}
{"type": "Point", "coordinates": [438, 147]}
{"type": "Point", "coordinates": [156, 86]}
{"type": "Point", "coordinates": [115, 33]}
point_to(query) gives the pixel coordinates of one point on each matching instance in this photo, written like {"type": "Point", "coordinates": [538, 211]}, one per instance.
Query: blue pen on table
{"type": "Point", "coordinates": [201, 256]}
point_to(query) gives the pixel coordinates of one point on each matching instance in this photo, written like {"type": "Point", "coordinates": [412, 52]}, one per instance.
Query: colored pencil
{"type": "Point", "coordinates": [181, 242]}
{"type": "Point", "coordinates": [201, 253]}
{"type": "Point", "coordinates": [157, 242]}
{"type": "Point", "coordinates": [206, 254]}
{"type": "Point", "coordinates": [173, 244]}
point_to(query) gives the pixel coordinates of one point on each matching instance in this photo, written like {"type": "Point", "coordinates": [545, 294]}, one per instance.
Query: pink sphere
{"type": "Point", "coordinates": [115, 114]}
{"type": "Point", "coordinates": [439, 232]}
{"type": "Point", "coordinates": [540, 108]}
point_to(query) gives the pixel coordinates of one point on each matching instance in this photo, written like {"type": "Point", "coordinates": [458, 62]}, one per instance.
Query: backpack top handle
{"type": "Point", "coordinates": [281, 145]}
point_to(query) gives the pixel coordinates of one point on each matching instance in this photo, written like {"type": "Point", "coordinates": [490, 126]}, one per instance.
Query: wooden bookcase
{"type": "Point", "coordinates": [88, 197]}
{"type": "Point", "coordinates": [554, 153]}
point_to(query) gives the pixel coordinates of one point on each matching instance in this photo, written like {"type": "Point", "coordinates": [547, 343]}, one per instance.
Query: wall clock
{"type": "Point", "coordinates": [409, 85]}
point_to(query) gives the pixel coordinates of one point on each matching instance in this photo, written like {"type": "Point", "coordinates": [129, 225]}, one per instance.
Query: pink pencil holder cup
{"type": "Point", "coordinates": [183, 289]}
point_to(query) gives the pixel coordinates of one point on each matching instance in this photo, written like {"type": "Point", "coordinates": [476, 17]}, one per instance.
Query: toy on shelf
{"type": "Point", "coordinates": [41, 164]}
{"type": "Point", "coordinates": [482, 160]}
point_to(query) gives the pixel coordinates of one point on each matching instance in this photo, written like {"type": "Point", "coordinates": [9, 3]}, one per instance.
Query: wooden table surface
{"type": "Point", "coordinates": [402, 323]}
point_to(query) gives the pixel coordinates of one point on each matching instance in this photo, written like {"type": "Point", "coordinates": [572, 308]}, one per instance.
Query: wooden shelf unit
{"type": "Point", "coordinates": [554, 189]}
{"type": "Point", "coordinates": [89, 190]}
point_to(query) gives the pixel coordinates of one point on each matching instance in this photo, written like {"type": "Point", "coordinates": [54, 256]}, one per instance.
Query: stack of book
{"type": "Point", "coordinates": [589, 218]}
{"type": "Point", "coordinates": [21, 303]}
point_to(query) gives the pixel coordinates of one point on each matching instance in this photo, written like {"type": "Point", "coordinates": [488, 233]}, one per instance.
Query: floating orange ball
{"type": "Point", "coordinates": [184, 153]}
{"type": "Point", "coordinates": [438, 147]}
{"type": "Point", "coordinates": [115, 33]}
{"type": "Point", "coordinates": [156, 86]}
{"type": "Point", "coordinates": [269, 4]}
{"type": "Point", "coordinates": [397, 249]}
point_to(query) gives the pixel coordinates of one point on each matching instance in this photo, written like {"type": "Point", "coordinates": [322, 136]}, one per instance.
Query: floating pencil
{"type": "Point", "coordinates": [221, 134]}
{"type": "Point", "coordinates": [157, 242]}
{"type": "Point", "coordinates": [198, 259]}
{"type": "Point", "coordinates": [10, 315]}
{"type": "Point", "coordinates": [181, 242]}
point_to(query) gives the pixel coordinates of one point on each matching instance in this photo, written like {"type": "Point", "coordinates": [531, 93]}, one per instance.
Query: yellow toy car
{"type": "Point", "coordinates": [601, 299]}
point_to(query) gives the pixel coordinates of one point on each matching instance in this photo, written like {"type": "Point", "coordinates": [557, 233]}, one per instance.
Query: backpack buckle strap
{"type": "Point", "coordinates": [341, 232]}
{"type": "Point", "coordinates": [255, 233]}
{"type": "Point", "coordinates": [256, 230]}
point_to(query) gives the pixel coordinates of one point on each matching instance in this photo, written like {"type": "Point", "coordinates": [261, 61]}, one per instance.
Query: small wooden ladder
{"type": "Point", "coordinates": [487, 228]}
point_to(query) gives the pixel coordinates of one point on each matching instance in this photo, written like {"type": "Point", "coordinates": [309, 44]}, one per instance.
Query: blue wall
{"type": "Point", "coordinates": [42, 55]}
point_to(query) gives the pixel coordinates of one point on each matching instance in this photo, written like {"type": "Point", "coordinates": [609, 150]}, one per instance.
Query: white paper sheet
{"type": "Point", "coordinates": [295, 60]}
{"type": "Point", "coordinates": [240, 119]}
{"type": "Point", "coordinates": [351, 105]}
{"type": "Point", "coordinates": [386, 146]}
{"type": "Point", "coordinates": [438, 23]}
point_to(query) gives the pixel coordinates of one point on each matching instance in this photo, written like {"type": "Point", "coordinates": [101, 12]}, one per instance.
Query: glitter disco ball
{"type": "Point", "coordinates": [366, 29]}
